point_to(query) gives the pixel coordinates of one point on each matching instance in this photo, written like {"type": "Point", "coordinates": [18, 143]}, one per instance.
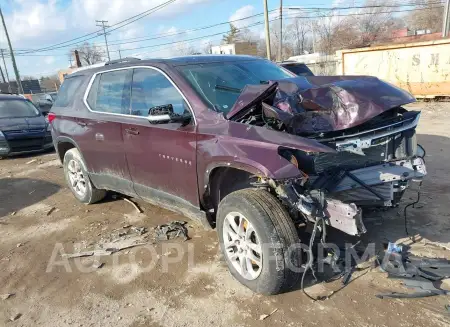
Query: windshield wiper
{"type": "Point", "coordinates": [227, 88]}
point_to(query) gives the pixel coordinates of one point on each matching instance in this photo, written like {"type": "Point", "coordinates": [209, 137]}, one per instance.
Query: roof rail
{"type": "Point", "coordinates": [122, 60]}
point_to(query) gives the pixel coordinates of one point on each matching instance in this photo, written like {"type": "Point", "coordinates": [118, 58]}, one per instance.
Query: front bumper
{"type": "Point", "coordinates": [341, 197]}
{"type": "Point", "coordinates": [21, 143]}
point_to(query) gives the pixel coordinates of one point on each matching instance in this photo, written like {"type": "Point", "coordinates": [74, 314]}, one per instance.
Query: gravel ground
{"type": "Point", "coordinates": [152, 286]}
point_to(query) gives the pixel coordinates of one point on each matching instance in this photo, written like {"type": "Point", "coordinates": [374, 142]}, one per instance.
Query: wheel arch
{"type": "Point", "coordinates": [222, 178]}
{"type": "Point", "coordinates": [64, 144]}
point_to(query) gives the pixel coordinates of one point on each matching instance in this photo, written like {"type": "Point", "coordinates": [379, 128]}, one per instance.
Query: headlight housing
{"type": "Point", "coordinates": [2, 136]}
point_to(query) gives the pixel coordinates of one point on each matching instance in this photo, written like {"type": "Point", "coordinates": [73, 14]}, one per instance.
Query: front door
{"type": "Point", "coordinates": [161, 157]}
{"type": "Point", "coordinates": [100, 138]}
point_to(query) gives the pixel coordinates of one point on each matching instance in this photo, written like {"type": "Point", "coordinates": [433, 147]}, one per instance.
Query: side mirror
{"type": "Point", "coordinates": [164, 115]}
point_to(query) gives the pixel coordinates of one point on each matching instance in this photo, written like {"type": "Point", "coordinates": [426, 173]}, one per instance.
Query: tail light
{"type": "Point", "coordinates": [51, 117]}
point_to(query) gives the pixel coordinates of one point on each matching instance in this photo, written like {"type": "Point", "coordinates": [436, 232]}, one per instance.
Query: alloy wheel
{"type": "Point", "coordinates": [76, 177]}
{"type": "Point", "coordinates": [242, 245]}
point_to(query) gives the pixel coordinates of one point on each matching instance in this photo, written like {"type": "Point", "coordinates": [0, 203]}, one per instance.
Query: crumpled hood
{"type": "Point", "coordinates": [323, 103]}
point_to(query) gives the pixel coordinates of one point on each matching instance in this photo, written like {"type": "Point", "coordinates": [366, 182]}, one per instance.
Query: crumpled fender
{"type": "Point", "coordinates": [250, 148]}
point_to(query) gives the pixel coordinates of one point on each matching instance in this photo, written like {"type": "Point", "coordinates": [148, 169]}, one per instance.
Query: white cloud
{"type": "Point", "coordinates": [40, 23]}
{"type": "Point", "coordinates": [242, 12]}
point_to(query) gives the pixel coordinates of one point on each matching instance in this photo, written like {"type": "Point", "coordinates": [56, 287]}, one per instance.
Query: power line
{"type": "Point", "coordinates": [259, 23]}
{"type": "Point", "coordinates": [127, 21]}
{"type": "Point", "coordinates": [158, 36]}
{"type": "Point", "coordinates": [289, 16]}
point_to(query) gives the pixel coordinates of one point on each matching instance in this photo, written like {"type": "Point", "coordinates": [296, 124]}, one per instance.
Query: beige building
{"type": "Point", "coordinates": [238, 48]}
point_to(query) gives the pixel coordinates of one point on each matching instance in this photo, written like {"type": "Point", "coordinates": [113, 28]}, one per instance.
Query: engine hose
{"type": "Point", "coordinates": [406, 207]}
{"type": "Point", "coordinates": [310, 262]}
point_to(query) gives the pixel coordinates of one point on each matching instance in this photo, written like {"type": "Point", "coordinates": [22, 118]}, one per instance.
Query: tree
{"type": "Point", "coordinates": [90, 54]}
{"type": "Point", "coordinates": [298, 32]}
{"type": "Point", "coordinates": [428, 17]}
{"type": "Point", "coordinates": [49, 83]}
{"type": "Point", "coordinates": [233, 35]}
{"type": "Point", "coordinates": [184, 49]}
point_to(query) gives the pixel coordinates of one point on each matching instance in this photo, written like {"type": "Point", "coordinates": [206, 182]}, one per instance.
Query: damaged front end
{"type": "Point", "coordinates": [375, 155]}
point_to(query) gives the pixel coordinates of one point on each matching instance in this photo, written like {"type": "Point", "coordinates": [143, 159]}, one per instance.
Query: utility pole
{"type": "Point", "coordinates": [446, 26]}
{"type": "Point", "coordinates": [266, 21]}
{"type": "Point", "coordinates": [101, 23]}
{"type": "Point", "coordinates": [3, 76]}
{"type": "Point", "coordinates": [16, 71]}
{"type": "Point", "coordinates": [120, 55]}
{"type": "Point", "coordinates": [280, 45]}
{"type": "Point", "coordinates": [6, 69]}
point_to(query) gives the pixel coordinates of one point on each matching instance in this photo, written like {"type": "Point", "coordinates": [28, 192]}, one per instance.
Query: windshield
{"type": "Point", "coordinates": [17, 108]}
{"type": "Point", "coordinates": [221, 83]}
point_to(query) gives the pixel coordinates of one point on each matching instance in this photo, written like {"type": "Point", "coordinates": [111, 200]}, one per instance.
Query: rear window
{"type": "Point", "coordinates": [110, 92]}
{"type": "Point", "coordinates": [67, 91]}
{"type": "Point", "coordinates": [300, 70]}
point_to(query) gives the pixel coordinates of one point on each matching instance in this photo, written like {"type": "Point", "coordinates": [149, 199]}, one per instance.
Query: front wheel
{"type": "Point", "coordinates": [77, 178]}
{"type": "Point", "coordinates": [259, 241]}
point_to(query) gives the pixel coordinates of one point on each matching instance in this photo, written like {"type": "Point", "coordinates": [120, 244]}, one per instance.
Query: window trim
{"type": "Point", "coordinates": [88, 89]}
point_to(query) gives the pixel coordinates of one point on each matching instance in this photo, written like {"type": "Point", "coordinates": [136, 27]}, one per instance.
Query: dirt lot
{"type": "Point", "coordinates": [198, 290]}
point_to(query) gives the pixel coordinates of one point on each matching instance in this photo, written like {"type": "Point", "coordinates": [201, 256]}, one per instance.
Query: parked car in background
{"type": "Point", "coordinates": [23, 128]}
{"type": "Point", "coordinates": [297, 68]}
{"type": "Point", "coordinates": [45, 102]}
{"type": "Point", "coordinates": [242, 145]}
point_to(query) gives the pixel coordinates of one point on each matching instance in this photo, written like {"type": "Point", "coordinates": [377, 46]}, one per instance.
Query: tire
{"type": "Point", "coordinates": [274, 235]}
{"type": "Point", "coordinates": [73, 162]}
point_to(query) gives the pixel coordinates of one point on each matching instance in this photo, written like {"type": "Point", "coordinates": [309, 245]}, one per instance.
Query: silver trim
{"type": "Point", "coordinates": [356, 145]}
{"type": "Point", "coordinates": [158, 118]}
{"type": "Point", "coordinates": [86, 93]}
{"type": "Point", "coordinates": [368, 131]}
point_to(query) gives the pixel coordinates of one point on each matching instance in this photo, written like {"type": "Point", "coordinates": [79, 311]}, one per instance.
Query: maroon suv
{"type": "Point", "coordinates": [240, 144]}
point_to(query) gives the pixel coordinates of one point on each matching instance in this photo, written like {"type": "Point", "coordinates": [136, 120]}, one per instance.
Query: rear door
{"type": "Point", "coordinates": [161, 157]}
{"type": "Point", "coordinates": [100, 133]}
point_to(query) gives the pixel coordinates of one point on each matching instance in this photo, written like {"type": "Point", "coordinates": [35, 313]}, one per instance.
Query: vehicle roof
{"type": "Point", "coordinates": [11, 97]}
{"type": "Point", "coordinates": [290, 63]}
{"type": "Point", "coordinates": [174, 61]}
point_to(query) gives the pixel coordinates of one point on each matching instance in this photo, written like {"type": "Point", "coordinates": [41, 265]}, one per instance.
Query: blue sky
{"type": "Point", "coordinates": [35, 24]}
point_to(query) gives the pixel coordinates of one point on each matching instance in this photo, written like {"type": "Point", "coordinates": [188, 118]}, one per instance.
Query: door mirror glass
{"type": "Point", "coordinates": [164, 114]}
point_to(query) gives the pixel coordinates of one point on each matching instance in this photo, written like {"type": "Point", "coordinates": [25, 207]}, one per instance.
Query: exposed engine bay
{"type": "Point", "coordinates": [375, 155]}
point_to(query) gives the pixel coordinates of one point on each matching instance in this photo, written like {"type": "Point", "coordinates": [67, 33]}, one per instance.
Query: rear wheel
{"type": "Point", "coordinates": [259, 241]}
{"type": "Point", "coordinates": [78, 180]}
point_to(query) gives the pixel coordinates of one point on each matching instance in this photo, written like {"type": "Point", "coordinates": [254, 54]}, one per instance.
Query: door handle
{"type": "Point", "coordinates": [81, 123]}
{"type": "Point", "coordinates": [132, 131]}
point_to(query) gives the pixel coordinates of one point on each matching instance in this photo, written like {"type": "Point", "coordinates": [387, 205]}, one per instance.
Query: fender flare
{"type": "Point", "coordinates": [66, 139]}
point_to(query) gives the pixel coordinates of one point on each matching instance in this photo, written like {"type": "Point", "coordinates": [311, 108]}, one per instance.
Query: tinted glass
{"type": "Point", "coordinates": [17, 108]}
{"type": "Point", "coordinates": [221, 83]}
{"type": "Point", "coordinates": [112, 94]}
{"type": "Point", "coordinates": [67, 91]}
{"type": "Point", "coordinates": [300, 70]}
{"type": "Point", "coordinates": [150, 88]}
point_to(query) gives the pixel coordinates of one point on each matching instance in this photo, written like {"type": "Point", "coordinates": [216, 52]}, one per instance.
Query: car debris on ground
{"type": "Point", "coordinates": [263, 317]}
{"type": "Point", "coordinates": [6, 296]}
{"type": "Point", "coordinates": [172, 230]}
{"type": "Point", "coordinates": [15, 317]}
{"type": "Point", "coordinates": [420, 274]}
{"type": "Point", "coordinates": [123, 238]}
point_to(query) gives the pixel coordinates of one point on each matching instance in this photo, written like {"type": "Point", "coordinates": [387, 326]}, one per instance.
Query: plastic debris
{"type": "Point", "coordinates": [15, 317]}
{"type": "Point", "coordinates": [394, 248]}
{"type": "Point", "coordinates": [172, 230]}
{"type": "Point", "coordinates": [6, 296]}
{"type": "Point", "coordinates": [263, 317]}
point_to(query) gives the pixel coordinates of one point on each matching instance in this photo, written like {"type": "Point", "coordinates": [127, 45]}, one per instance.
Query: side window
{"type": "Point", "coordinates": [110, 92]}
{"type": "Point", "coordinates": [67, 91]}
{"type": "Point", "coordinates": [150, 88]}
